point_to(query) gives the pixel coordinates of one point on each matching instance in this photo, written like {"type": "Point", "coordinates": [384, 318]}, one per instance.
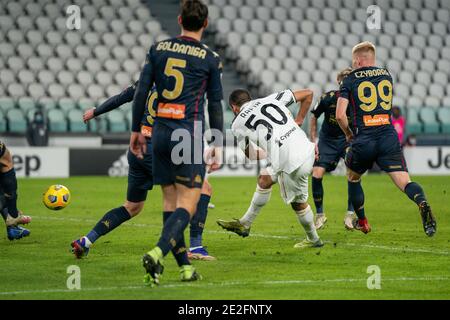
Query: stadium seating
{"type": "Point", "coordinates": [263, 38]}
{"type": "Point", "coordinates": [42, 62]}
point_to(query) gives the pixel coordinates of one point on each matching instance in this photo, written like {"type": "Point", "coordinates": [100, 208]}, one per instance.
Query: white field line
{"type": "Point", "coordinates": [226, 284]}
{"type": "Point", "coordinates": [266, 236]}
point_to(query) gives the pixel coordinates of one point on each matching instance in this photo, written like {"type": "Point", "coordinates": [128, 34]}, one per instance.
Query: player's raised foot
{"type": "Point", "coordinates": [188, 273]}
{"type": "Point", "coordinates": [16, 232]}
{"type": "Point", "coordinates": [362, 225]}
{"type": "Point", "coordinates": [21, 219]}
{"type": "Point", "coordinates": [200, 253]}
{"type": "Point", "coordinates": [153, 263]}
{"type": "Point", "coordinates": [79, 248]}
{"type": "Point", "coordinates": [348, 221]}
{"type": "Point", "coordinates": [321, 219]}
{"type": "Point", "coordinates": [234, 226]}
{"type": "Point", "coordinates": [428, 220]}
{"type": "Point", "coordinates": [306, 243]}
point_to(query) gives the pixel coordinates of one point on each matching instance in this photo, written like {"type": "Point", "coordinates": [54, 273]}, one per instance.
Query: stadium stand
{"type": "Point", "coordinates": [276, 44]}
{"type": "Point", "coordinates": [43, 62]}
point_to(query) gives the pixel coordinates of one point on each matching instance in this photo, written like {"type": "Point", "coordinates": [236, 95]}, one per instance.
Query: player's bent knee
{"type": "Point", "coordinates": [207, 188]}
{"type": "Point", "coordinates": [134, 208]}
{"type": "Point", "coordinates": [265, 181]}
{"type": "Point", "coordinates": [318, 172]}
{"type": "Point", "coordinates": [299, 206]}
{"type": "Point", "coordinates": [353, 176]}
{"type": "Point", "coordinates": [6, 162]}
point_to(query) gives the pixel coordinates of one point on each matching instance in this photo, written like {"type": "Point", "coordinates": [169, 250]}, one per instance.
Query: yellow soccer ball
{"type": "Point", "coordinates": [56, 197]}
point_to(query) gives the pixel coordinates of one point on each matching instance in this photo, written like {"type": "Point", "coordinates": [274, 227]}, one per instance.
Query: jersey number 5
{"type": "Point", "coordinates": [370, 102]}
{"type": "Point", "coordinates": [170, 71]}
{"type": "Point", "coordinates": [265, 123]}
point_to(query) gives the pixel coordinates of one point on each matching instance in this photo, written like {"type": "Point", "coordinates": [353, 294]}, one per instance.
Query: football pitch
{"type": "Point", "coordinates": [262, 266]}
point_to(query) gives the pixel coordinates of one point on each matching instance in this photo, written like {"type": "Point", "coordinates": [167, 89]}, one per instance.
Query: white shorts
{"type": "Point", "coordinates": [294, 185]}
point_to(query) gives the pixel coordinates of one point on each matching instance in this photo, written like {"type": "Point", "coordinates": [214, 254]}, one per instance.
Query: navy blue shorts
{"type": "Point", "coordinates": [384, 150]}
{"type": "Point", "coordinates": [331, 150]}
{"type": "Point", "coordinates": [140, 175]}
{"type": "Point", "coordinates": [189, 169]}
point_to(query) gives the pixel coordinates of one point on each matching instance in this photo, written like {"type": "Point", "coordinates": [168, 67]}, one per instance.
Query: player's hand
{"type": "Point", "coordinates": [213, 158]}
{"type": "Point", "coordinates": [138, 144]}
{"type": "Point", "coordinates": [349, 137]}
{"type": "Point", "coordinates": [88, 115]}
{"type": "Point", "coordinates": [316, 149]}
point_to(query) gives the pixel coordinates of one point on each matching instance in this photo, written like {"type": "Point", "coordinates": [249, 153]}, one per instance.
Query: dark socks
{"type": "Point", "coordinates": [173, 230]}
{"type": "Point", "coordinates": [317, 190]}
{"type": "Point", "coordinates": [109, 222]}
{"type": "Point", "coordinates": [415, 192]}
{"type": "Point", "coordinates": [356, 196]}
{"type": "Point", "coordinates": [349, 205]}
{"type": "Point", "coordinates": [198, 221]}
{"type": "Point", "coordinates": [8, 182]}
{"type": "Point", "coordinates": [179, 251]}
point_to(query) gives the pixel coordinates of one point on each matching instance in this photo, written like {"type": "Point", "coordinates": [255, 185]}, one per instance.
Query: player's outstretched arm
{"type": "Point", "coordinates": [112, 103]}
{"type": "Point", "coordinates": [305, 98]}
{"type": "Point", "coordinates": [138, 145]}
{"type": "Point", "coordinates": [341, 117]}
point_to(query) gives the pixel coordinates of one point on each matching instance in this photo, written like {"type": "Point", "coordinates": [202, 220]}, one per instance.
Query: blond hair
{"type": "Point", "coordinates": [342, 74]}
{"type": "Point", "coordinates": [364, 47]}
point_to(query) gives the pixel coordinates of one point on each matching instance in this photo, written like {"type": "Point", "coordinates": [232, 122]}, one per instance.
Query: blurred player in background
{"type": "Point", "coordinates": [8, 197]}
{"type": "Point", "coordinates": [398, 121]}
{"type": "Point", "coordinates": [265, 128]}
{"type": "Point", "coordinates": [140, 180]}
{"type": "Point", "coordinates": [369, 91]}
{"type": "Point", "coordinates": [330, 149]}
{"type": "Point", "coordinates": [183, 70]}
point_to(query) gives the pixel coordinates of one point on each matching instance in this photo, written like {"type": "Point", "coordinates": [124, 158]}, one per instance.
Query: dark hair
{"type": "Point", "coordinates": [239, 96]}
{"type": "Point", "coordinates": [193, 14]}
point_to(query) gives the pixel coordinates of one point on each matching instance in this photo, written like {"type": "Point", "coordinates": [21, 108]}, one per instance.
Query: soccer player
{"type": "Point", "coordinates": [331, 148]}
{"type": "Point", "coordinates": [265, 128]}
{"type": "Point", "coordinates": [183, 70]}
{"type": "Point", "coordinates": [139, 182]}
{"type": "Point", "coordinates": [369, 90]}
{"type": "Point", "coordinates": [8, 199]}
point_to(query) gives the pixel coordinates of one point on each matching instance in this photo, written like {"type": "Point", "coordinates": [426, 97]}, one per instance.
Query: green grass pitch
{"type": "Point", "coordinates": [262, 266]}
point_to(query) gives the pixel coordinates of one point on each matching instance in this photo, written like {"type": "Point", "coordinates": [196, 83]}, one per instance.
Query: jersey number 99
{"type": "Point", "coordinates": [370, 102]}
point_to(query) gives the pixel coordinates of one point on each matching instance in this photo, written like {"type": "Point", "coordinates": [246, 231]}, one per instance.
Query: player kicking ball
{"type": "Point", "coordinates": [374, 139]}
{"type": "Point", "coordinates": [8, 197]}
{"type": "Point", "coordinates": [265, 128]}
{"type": "Point", "coordinates": [140, 181]}
{"type": "Point", "coordinates": [331, 148]}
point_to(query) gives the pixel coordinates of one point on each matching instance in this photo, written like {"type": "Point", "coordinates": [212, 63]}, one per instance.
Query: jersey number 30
{"type": "Point", "coordinates": [265, 123]}
{"type": "Point", "coordinates": [370, 102]}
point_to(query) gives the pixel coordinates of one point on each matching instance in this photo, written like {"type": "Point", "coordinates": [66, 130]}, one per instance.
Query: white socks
{"type": "Point", "coordinates": [259, 200]}
{"type": "Point", "coordinates": [306, 219]}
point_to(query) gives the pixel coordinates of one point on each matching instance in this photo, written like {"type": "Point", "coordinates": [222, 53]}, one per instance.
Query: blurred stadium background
{"type": "Point", "coordinates": [266, 45]}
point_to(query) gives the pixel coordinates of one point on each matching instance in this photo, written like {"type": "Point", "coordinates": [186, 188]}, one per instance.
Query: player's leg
{"type": "Point", "coordinates": [139, 182]}
{"type": "Point", "coordinates": [415, 192]}
{"type": "Point", "coordinates": [261, 196]}
{"type": "Point", "coordinates": [294, 191]}
{"type": "Point", "coordinates": [8, 183]}
{"type": "Point", "coordinates": [197, 225]}
{"type": "Point", "coordinates": [358, 159]}
{"type": "Point", "coordinates": [317, 190]}
{"type": "Point", "coordinates": [392, 161]}
{"type": "Point", "coordinates": [356, 197]}
{"type": "Point", "coordinates": [173, 233]}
